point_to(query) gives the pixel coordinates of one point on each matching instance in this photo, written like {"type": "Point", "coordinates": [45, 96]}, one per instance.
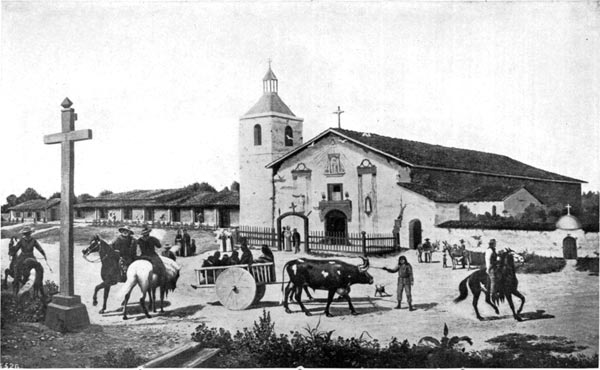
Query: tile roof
{"type": "Point", "coordinates": [36, 205]}
{"type": "Point", "coordinates": [449, 193]}
{"type": "Point", "coordinates": [270, 102]}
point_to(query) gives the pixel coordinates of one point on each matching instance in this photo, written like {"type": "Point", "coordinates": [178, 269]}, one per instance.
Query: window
{"type": "Point", "coordinates": [257, 135]}
{"type": "Point", "coordinates": [102, 213]}
{"type": "Point", "coordinates": [368, 205]}
{"type": "Point", "coordinates": [493, 210]}
{"type": "Point", "coordinates": [335, 192]}
{"type": "Point", "coordinates": [289, 136]}
{"type": "Point", "coordinates": [28, 214]}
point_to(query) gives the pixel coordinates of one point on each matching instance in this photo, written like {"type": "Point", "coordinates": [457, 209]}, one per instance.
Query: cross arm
{"type": "Point", "coordinates": [60, 137]}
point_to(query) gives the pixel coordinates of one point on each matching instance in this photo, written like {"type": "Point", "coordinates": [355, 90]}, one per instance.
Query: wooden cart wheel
{"type": "Point", "coordinates": [260, 293]}
{"type": "Point", "coordinates": [236, 288]}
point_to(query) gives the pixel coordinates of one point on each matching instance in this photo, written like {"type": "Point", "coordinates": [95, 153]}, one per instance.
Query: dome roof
{"type": "Point", "coordinates": [568, 222]}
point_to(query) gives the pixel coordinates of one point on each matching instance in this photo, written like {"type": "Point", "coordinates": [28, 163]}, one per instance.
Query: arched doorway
{"type": "Point", "coordinates": [414, 233]}
{"type": "Point", "coordinates": [569, 248]}
{"type": "Point", "coordinates": [336, 227]}
{"type": "Point", "coordinates": [304, 235]}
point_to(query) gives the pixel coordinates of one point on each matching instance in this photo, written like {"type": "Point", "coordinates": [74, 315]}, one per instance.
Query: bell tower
{"type": "Point", "coordinates": [266, 132]}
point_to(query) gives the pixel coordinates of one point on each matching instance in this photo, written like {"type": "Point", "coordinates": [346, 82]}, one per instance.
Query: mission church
{"type": "Point", "coordinates": [343, 181]}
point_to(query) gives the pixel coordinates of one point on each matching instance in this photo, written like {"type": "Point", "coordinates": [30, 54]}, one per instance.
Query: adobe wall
{"type": "Point", "coordinates": [544, 243]}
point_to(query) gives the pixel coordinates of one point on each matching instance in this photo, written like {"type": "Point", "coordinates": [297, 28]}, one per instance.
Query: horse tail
{"type": "Point", "coordinates": [282, 280]}
{"type": "Point", "coordinates": [462, 288]}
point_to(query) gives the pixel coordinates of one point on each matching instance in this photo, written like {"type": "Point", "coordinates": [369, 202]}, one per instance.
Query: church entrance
{"type": "Point", "coordinates": [336, 227]}
{"type": "Point", "coordinates": [414, 233]}
{"type": "Point", "coordinates": [296, 221]}
{"type": "Point", "coordinates": [569, 248]}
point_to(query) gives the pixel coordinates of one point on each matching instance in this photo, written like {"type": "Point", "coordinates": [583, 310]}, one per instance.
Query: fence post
{"type": "Point", "coordinates": [364, 242]}
{"type": "Point", "coordinates": [396, 241]}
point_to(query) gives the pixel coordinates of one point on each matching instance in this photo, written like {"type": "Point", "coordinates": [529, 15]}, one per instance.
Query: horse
{"type": "Point", "coordinates": [110, 271]}
{"type": "Point", "coordinates": [31, 274]}
{"type": "Point", "coordinates": [458, 255]}
{"type": "Point", "coordinates": [13, 258]}
{"type": "Point", "coordinates": [506, 285]}
{"type": "Point", "coordinates": [140, 273]}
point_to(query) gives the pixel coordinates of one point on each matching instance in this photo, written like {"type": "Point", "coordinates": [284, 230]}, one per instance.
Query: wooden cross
{"type": "Point", "coordinates": [339, 113]}
{"type": "Point", "coordinates": [293, 207]}
{"type": "Point", "coordinates": [67, 138]}
{"type": "Point", "coordinates": [568, 207]}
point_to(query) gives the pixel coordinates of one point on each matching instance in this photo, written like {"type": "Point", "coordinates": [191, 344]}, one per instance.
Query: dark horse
{"type": "Point", "coordinates": [506, 285]}
{"type": "Point", "coordinates": [13, 258]}
{"type": "Point", "coordinates": [110, 271]}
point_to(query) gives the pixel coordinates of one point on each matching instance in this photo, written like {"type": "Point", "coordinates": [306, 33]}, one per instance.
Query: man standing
{"type": "Point", "coordinates": [148, 245]}
{"type": "Point", "coordinates": [427, 250]}
{"type": "Point", "coordinates": [187, 243]}
{"type": "Point", "coordinates": [296, 240]}
{"type": "Point", "coordinates": [490, 262]}
{"type": "Point", "coordinates": [405, 280]}
{"type": "Point", "coordinates": [125, 245]}
{"type": "Point", "coordinates": [26, 246]}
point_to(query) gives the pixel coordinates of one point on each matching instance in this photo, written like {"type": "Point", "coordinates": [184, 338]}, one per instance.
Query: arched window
{"type": "Point", "coordinates": [257, 135]}
{"type": "Point", "coordinates": [289, 136]}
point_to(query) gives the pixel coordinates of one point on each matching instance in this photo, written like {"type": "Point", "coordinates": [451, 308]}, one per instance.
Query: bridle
{"type": "Point", "coordinates": [96, 243]}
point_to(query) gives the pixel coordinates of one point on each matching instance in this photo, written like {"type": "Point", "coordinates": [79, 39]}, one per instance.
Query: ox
{"type": "Point", "coordinates": [334, 276]}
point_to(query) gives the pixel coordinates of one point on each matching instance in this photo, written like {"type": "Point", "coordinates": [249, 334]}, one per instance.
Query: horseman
{"type": "Point", "coordinates": [126, 246]}
{"type": "Point", "coordinates": [148, 245]}
{"type": "Point", "coordinates": [26, 245]}
{"type": "Point", "coordinates": [491, 260]}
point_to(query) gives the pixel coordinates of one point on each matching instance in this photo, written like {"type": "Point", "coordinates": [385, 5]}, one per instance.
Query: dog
{"type": "Point", "coordinates": [380, 289]}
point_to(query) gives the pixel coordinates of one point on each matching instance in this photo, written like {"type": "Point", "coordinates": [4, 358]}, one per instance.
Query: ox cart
{"type": "Point", "coordinates": [237, 286]}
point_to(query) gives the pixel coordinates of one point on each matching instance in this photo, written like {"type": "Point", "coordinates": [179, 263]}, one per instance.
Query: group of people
{"type": "Point", "coordinates": [185, 245]}
{"type": "Point", "coordinates": [291, 239]}
{"type": "Point", "coordinates": [425, 251]}
{"type": "Point", "coordinates": [246, 258]}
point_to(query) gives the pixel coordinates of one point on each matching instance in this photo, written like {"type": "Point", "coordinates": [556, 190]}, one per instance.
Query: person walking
{"type": "Point", "coordinates": [296, 240]}
{"type": "Point", "coordinates": [405, 281]}
{"type": "Point", "coordinates": [148, 245]}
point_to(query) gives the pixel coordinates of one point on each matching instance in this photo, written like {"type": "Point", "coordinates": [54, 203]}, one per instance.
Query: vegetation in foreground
{"type": "Point", "coordinates": [261, 346]}
{"type": "Point", "coordinates": [533, 263]}
{"type": "Point", "coordinates": [587, 264]}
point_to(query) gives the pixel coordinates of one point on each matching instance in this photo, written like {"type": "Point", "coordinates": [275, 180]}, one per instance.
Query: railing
{"type": "Point", "coordinates": [359, 243]}
{"type": "Point", "coordinates": [257, 235]}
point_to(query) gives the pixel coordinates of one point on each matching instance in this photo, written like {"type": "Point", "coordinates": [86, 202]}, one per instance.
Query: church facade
{"type": "Point", "coordinates": [347, 181]}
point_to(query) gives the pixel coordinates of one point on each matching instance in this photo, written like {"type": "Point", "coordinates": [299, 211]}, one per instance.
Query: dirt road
{"type": "Point", "coordinates": [561, 304]}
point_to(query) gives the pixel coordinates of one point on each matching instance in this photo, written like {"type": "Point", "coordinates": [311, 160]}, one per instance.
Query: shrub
{"type": "Point", "coordinates": [587, 264]}
{"type": "Point", "coordinates": [127, 358]}
{"type": "Point", "coordinates": [535, 264]}
{"type": "Point", "coordinates": [499, 224]}
{"type": "Point", "coordinates": [262, 347]}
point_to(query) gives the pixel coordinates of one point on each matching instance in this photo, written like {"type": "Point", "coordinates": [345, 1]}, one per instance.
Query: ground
{"type": "Point", "coordinates": [561, 304]}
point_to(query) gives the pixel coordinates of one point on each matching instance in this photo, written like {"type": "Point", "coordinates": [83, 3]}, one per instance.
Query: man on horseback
{"type": "Point", "coordinates": [491, 258]}
{"type": "Point", "coordinates": [125, 245]}
{"type": "Point", "coordinates": [26, 245]}
{"type": "Point", "coordinates": [148, 245]}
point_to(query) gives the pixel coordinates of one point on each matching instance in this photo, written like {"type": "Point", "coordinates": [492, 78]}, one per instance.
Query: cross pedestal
{"type": "Point", "coordinates": [66, 312]}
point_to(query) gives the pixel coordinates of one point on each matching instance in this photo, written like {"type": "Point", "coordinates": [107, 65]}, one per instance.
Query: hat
{"type": "Point", "coordinates": [167, 246]}
{"type": "Point", "coordinates": [146, 230]}
{"type": "Point", "coordinates": [125, 228]}
{"type": "Point", "coordinates": [462, 240]}
{"type": "Point", "coordinates": [26, 230]}
{"type": "Point", "coordinates": [493, 242]}
{"type": "Point", "coordinates": [426, 239]}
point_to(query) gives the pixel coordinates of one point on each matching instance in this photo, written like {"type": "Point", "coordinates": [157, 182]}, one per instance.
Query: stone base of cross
{"type": "Point", "coordinates": [66, 312]}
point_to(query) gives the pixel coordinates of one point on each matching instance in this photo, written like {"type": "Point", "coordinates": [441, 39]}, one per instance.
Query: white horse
{"type": "Point", "coordinates": [140, 273]}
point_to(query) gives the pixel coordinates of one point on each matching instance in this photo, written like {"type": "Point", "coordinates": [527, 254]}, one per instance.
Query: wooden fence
{"type": "Point", "coordinates": [359, 243]}
{"type": "Point", "coordinates": [257, 235]}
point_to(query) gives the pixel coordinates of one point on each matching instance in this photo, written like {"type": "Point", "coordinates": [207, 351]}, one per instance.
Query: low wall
{"type": "Point", "coordinates": [544, 243]}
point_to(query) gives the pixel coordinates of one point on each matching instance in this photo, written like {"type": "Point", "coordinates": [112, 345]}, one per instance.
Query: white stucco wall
{"type": "Point", "coordinates": [137, 214]}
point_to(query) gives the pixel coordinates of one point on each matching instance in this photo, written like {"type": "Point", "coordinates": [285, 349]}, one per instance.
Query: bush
{"type": "Point", "coordinates": [262, 347]}
{"type": "Point", "coordinates": [127, 358]}
{"type": "Point", "coordinates": [587, 264]}
{"type": "Point", "coordinates": [535, 264]}
{"type": "Point", "coordinates": [28, 309]}
{"type": "Point", "coordinates": [499, 224]}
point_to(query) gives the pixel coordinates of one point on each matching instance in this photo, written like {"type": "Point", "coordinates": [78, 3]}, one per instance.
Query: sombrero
{"type": "Point", "coordinates": [26, 230]}
{"type": "Point", "coordinates": [125, 228]}
{"type": "Point", "coordinates": [146, 230]}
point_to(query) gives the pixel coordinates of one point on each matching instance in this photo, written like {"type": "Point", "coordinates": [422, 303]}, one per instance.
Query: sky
{"type": "Point", "coordinates": [162, 84]}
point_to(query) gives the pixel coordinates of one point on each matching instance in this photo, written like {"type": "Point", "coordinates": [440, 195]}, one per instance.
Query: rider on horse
{"type": "Point", "coordinates": [125, 245]}
{"type": "Point", "coordinates": [491, 259]}
{"type": "Point", "coordinates": [148, 245]}
{"type": "Point", "coordinates": [26, 245]}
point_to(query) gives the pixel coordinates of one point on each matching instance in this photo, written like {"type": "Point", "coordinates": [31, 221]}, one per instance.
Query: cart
{"type": "Point", "coordinates": [237, 286]}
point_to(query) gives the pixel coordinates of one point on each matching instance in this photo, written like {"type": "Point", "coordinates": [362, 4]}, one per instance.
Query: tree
{"type": "Point", "coordinates": [202, 187]}
{"type": "Point", "coordinates": [55, 195]}
{"type": "Point", "coordinates": [589, 208]}
{"type": "Point", "coordinates": [104, 193]}
{"type": "Point", "coordinates": [83, 197]}
{"type": "Point", "coordinates": [29, 194]}
{"type": "Point", "coordinates": [235, 186]}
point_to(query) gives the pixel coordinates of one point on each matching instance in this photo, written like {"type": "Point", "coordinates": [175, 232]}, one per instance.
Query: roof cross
{"type": "Point", "coordinates": [339, 113]}
{"type": "Point", "coordinates": [269, 61]}
{"type": "Point", "coordinates": [568, 207]}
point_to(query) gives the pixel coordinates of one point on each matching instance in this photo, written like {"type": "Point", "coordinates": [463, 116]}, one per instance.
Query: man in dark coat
{"type": "Point", "coordinates": [296, 240]}
{"type": "Point", "coordinates": [148, 245]}
{"type": "Point", "coordinates": [187, 243]}
{"type": "Point", "coordinates": [26, 245]}
{"type": "Point", "coordinates": [246, 258]}
{"type": "Point", "coordinates": [125, 245]}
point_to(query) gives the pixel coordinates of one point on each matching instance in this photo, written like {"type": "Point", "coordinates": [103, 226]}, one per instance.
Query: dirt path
{"type": "Point", "coordinates": [562, 304]}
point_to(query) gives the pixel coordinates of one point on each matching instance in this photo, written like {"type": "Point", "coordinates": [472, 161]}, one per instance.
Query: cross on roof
{"type": "Point", "coordinates": [568, 207]}
{"type": "Point", "coordinates": [339, 113]}
{"type": "Point", "coordinates": [269, 61]}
